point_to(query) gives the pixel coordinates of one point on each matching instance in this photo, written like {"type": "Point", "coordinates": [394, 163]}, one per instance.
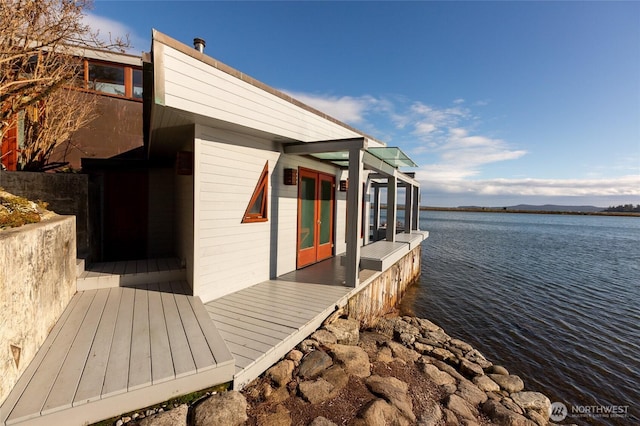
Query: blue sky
{"type": "Point", "coordinates": [500, 103]}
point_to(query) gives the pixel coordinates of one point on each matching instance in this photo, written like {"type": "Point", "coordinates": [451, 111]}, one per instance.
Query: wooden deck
{"type": "Point", "coordinates": [262, 323]}
{"type": "Point", "coordinates": [130, 273]}
{"type": "Point", "coordinates": [119, 349]}
{"type": "Point", "coordinates": [116, 349]}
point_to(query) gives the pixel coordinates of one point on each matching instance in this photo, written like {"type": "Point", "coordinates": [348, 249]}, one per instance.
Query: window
{"type": "Point", "coordinates": [112, 79]}
{"type": "Point", "coordinates": [107, 79]}
{"type": "Point", "coordinates": [257, 208]}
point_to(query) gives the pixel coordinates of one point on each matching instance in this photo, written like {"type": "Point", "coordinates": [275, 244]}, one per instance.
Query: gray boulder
{"type": "Point", "coordinates": [316, 391]}
{"type": "Point", "coordinates": [533, 401]}
{"type": "Point", "coordinates": [353, 359]}
{"type": "Point", "coordinates": [281, 373]}
{"type": "Point", "coordinates": [510, 383]}
{"type": "Point", "coordinates": [393, 391]}
{"type": "Point", "coordinates": [347, 331]}
{"type": "Point", "coordinates": [226, 408]}
{"type": "Point", "coordinates": [502, 416]}
{"type": "Point", "coordinates": [313, 364]}
{"type": "Point", "coordinates": [174, 417]}
{"type": "Point", "coordinates": [325, 337]}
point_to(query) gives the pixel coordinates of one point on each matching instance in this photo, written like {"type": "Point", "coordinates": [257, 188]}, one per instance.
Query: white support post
{"type": "Point", "coordinates": [376, 210]}
{"type": "Point", "coordinates": [392, 194]}
{"type": "Point", "coordinates": [416, 208]}
{"type": "Point", "coordinates": [354, 217]}
{"type": "Point", "coordinates": [408, 208]}
{"type": "Point", "coordinates": [366, 213]}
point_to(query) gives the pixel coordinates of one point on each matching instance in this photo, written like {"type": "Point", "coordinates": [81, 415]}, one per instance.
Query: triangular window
{"type": "Point", "coordinates": [257, 208]}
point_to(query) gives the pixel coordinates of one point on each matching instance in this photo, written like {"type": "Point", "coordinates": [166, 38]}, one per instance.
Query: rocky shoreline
{"type": "Point", "coordinates": [404, 371]}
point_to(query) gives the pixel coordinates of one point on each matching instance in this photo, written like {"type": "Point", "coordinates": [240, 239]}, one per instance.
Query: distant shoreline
{"type": "Point", "coordinates": [503, 210]}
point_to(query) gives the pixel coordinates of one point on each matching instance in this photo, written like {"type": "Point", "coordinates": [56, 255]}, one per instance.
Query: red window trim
{"type": "Point", "coordinates": [262, 187]}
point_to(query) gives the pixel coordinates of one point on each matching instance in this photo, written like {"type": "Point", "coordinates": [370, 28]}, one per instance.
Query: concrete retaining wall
{"type": "Point", "coordinates": [37, 280]}
{"type": "Point", "coordinates": [65, 194]}
{"type": "Point", "coordinates": [385, 292]}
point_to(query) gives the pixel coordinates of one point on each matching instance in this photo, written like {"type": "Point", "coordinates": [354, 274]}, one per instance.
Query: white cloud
{"type": "Point", "coordinates": [433, 180]}
{"type": "Point", "coordinates": [349, 109]}
{"type": "Point", "coordinates": [108, 30]}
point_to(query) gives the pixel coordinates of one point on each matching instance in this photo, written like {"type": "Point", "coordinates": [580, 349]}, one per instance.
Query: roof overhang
{"type": "Point", "coordinates": [383, 160]}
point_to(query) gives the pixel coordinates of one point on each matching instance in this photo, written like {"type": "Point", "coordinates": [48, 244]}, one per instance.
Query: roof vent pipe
{"type": "Point", "coordinates": [199, 44]}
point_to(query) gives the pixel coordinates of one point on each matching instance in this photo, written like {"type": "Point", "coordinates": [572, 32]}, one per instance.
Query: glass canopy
{"type": "Point", "coordinates": [390, 155]}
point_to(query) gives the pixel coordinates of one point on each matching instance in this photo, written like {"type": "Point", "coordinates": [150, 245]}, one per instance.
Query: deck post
{"type": "Point", "coordinates": [376, 210]}
{"type": "Point", "coordinates": [366, 220]}
{"type": "Point", "coordinates": [416, 208]}
{"type": "Point", "coordinates": [392, 193]}
{"type": "Point", "coordinates": [354, 217]}
{"type": "Point", "coordinates": [408, 208]}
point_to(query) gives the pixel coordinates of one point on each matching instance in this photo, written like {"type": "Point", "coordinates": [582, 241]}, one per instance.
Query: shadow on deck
{"type": "Point", "coordinates": [134, 338]}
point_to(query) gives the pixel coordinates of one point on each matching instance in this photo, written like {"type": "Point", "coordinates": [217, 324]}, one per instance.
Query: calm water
{"type": "Point", "coordinates": [555, 299]}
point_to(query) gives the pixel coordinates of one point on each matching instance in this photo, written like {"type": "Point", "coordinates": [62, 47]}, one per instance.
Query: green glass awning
{"type": "Point", "coordinates": [390, 155]}
{"type": "Point", "coordinates": [393, 156]}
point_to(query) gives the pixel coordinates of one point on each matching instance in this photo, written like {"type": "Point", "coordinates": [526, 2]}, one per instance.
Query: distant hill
{"type": "Point", "coordinates": [556, 208]}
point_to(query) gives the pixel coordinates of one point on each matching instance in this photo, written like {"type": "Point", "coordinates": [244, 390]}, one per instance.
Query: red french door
{"type": "Point", "coordinates": [316, 198]}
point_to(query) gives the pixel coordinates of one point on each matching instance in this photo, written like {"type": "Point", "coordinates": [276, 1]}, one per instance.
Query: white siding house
{"type": "Point", "coordinates": [229, 126]}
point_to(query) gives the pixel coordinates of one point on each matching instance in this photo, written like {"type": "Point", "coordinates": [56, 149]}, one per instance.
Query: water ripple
{"type": "Point", "coordinates": [555, 299]}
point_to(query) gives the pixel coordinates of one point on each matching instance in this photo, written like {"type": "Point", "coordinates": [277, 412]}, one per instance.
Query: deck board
{"type": "Point", "coordinates": [161, 362]}
{"type": "Point", "coordinates": [140, 362]}
{"type": "Point", "coordinates": [38, 389]}
{"type": "Point", "coordinates": [183, 363]}
{"type": "Point", "coordinates": [64, 388]}
{"type": "Point", "coordinates": [92, 380]}
{"type": "Point", "coordinates": [117, 374]}
{"type": "Point", "coordinates": [200, 351]}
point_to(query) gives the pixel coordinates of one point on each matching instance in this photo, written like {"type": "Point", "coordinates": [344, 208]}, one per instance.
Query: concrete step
{"type": "Point", "coordinates": [93, 276]}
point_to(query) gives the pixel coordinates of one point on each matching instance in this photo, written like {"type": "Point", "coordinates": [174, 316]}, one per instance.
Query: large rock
{"type": "Point", "coordinates": [281, 373]}
{"type": "Point", "coordinates": [226, 408]}
{"type": "Point", "coordinates": [426, 325]}
{"type": "Point", "coordinates": [347, 331]}
{"type": "Point", "coordinates": [393, 391]}
{"type": "Point", "coordinates": [475, 356]}
{"type": "Point", "coordinates": [486, 384]}
{"type": "Point", "coordinates": [471, 393]}
{"type": "Point", "coordinates": [497, 369]}
{"type": "Point", "coordinates": [431, 414]}
{"type": "Point", "coordinates": [325, 337]}
{"type": "Point", "coordinates": [444, 355]}
{"type": "Point", "coordinates": [380, 413]}
{"type": "Point", "coordinates": [313, 364]}
{"type": "Point", "coordinates": [336, 376]}
{"type": "Point", "coordinates": [353, 359]}
{"type": "Point", "coordinates": [437, 376]}
{"type": "Point", "coordinates": [461, 407]}
{"type": "Point", "coordinates": [402, 352]}
{"type": "Point", "coordinates": [316, 391]}
{"type": "Point", "coordinates": [502, 416]}
{"type": "Point", "coordinates": [510, 383]}
{"type": "Point", "coordinates": [470, 369]}
{"type": "Point", "coordinates": [464, 346]}
{"type": "Point", "coordinates": [174, 417]}
{"type": "Point", "coordinates": [533, 401]}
